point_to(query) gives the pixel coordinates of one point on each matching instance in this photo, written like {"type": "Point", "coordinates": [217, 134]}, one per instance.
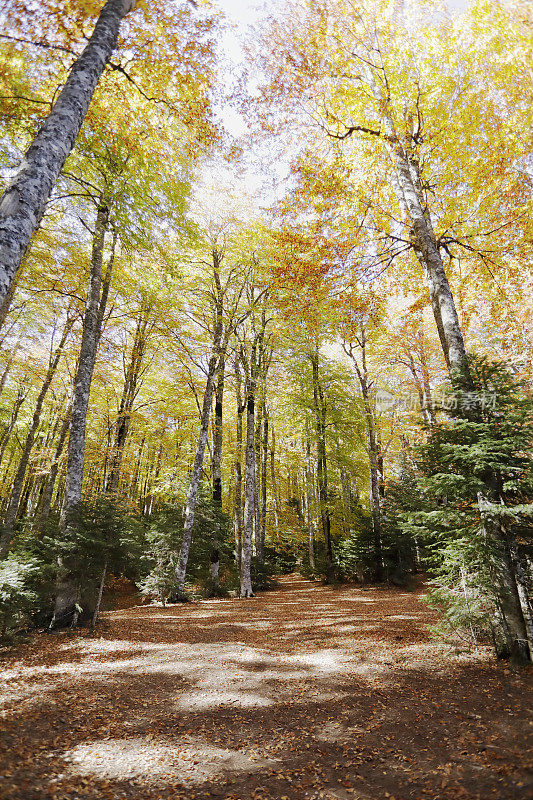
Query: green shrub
{"type": "Point", "coordinates": [18, 597]}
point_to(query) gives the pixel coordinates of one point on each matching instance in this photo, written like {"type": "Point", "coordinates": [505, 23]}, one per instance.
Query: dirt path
{"type": "Point", "coordinates": [304, 692]}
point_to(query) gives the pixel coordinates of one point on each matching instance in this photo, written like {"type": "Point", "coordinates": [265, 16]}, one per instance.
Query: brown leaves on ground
{"type": "Point", "coordinates": [304, 692]}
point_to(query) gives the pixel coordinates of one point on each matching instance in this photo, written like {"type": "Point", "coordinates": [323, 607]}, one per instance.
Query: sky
{"type": "Point", "coordinates": [253, 185]}
{"type": "Point", "coordinates": [244, 13]}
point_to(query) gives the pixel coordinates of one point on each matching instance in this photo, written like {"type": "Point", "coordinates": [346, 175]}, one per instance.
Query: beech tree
{"type": "Point", "coordinates": [225, 308]}
{"type": "Point", "coordinates": [23, 202]}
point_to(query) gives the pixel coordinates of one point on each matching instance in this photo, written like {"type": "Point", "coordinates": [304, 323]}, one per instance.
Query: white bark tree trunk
{"type": "Point", "coordinates": [84, 374]}
{"type": "Point", "coordinates": [192, 494]}
{"type": "Point", "coordinates": [273, 479]}
{"type": "Point", "coordinates": [246, 558]}
{"type": "Point", "coordinates": [99, 598]}
{"type": "Point", "coordinates": [217, 466]}
{"type": "Point", "coordinates": [237, 503]}
{"type": "Point", "coordinates": [405, 180]}
{"type": "Point", "coordinates": [263, 509]}
{"type": "Point", "coordinates": [67, 591]}
{"type": "Point", "coordinates": [23, 203]}
{"type": "Point", "coordinates": [310, 503]}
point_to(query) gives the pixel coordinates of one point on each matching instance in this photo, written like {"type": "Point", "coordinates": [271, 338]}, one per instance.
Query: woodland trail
{"type": "Point", "coordinates": [303, 692]}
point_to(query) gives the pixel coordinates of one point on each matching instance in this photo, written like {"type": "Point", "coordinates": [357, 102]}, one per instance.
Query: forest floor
{"type": "Point", "coordinates": [303, 692]}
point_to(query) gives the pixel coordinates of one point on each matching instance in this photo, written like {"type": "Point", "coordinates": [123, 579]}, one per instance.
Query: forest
{"type": "Point", "coordinates": [266, 363]}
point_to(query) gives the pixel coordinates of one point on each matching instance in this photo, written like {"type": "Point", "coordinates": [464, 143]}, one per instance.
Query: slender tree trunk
{"type": "Point", "coordinates": [374, 450]}
{"type": "Point", "coordinates": [264, 462]}
{"type": "Point", "coordinates": [257, 486]}
{"type": "Point", "coordinates": [134, 485]}
{"type": "Point", "coordinates": [273, 478]}
{"type": "Point", "coordinates": [407, 185]}
{"type": "Point", "coordinates": [14, 501]}
{"type": "Point", "coordinates": [237, 503]}
{"type": "Point", "coordinates": [249, 501]}
{"type": "Point", "coordinates": [129, 393]}
{"type": "Point", "coordinates": [374, 483]}
{"type": "Point", "coordinates": [217, 466]}
{"type": "Point", "coordinates": [346, 499]}
{"type": "Point", "coordinates": [310, 504]}
{"type": "Point", "coordinates": [150, 483]}
{"type": "Point", "coordinates": [194, 485]}
{"type": "Point", "coordinates": [428, 254]}
{"type": "Point", "coordinates": [5, 305]}
{"type": "Point", "coordinates": [6, 435]}
{"type": "Point", "coordinates": [419, 389]}
{"type": "Point", "coordinates": [23, 202]}
{"type": "Point", "coordinates": [99, 598]}
{"type": "Point", "coordinates": [322, 474]}
{"type": "Point", "coordinates": [8, 366]}
{"type": "Point", "coordinates": [5, 476]}
{"type": "Point", "coordinates": [45, 503]}
{"type": "Point", "coordinates": [217, 438]}
{"type": "Point", "coordinates": [192, 494]}
{"type": "Point", "coordinates": [67, 590]}
{"type": "Point", "coordinates": [428, 399]}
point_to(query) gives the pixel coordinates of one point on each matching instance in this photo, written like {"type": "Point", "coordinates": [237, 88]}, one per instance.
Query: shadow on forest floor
{"type": "Point", "coordinates": [304, 692]}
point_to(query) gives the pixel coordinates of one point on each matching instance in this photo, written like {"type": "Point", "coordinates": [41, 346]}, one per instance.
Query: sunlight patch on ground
{"type": "Point", "coordinates": [324, 660]}
{"type": "Point", "coordinates": [205, 700]}
{"type": "Point", "coordinates": [191, 761]}
{"type": "Point", "coordinates": [209, 675]}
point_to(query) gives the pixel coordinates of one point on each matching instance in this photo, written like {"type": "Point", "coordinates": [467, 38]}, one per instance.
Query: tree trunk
{"type": "Point", "coordinates": [373, 456]}
{"type": "Point", "coordinates": [84, 373]}
{"type": "Point", "coordinates": [6, 435]}
{"type": "Point", "coordinates": [273, 479]}
{"type": "Point", "coordinates": [23, 202]}
{"type": "Point", "coordinates": [129, 393]}
{"type": "Point", "coordinates": [134, 485]}
{"type": "Point", "coordinates": [8, 366]}
{"type": "Point", "coordinates": [45, 503]}
{"type": "Point", "coordinates": [249, 500]}
{"type": "Point", "coordinates": [509, 623]}
{"type": "Point", "coordinates": [217, 438]}
{"type": "Point", "coordinates": [66, 589]}
{"type": "Point", "coordinates": [237, 503]}
{"type": "Point", "coordinates": [99, 598]}
{"type": "Point", "coordinates": [322, 474]}
{"type": "Point", "coordinates": [5, 305]}
{"type": "Point", "coordinates": [263, 509]}
{"type": "Point", "coordinates": [14, 501]}
{"type": "Point", "coordinates": [310, 504]}
{"type": "Point", "coordinates": [374, 450]}
{"type": "Point", "coordinates": [192, 494]}
{"type": "Point", "coordinates": [217, 466]}
{"type": "Point", "coordinates": [427, 251]}
{"type": "Point", "coordinates": [257, 487]}
{"type": "Point", "coordinates": [521, 585]}
{"type": "Point", "coordinates": [405, 179]}
{"type": "Point", "coordinates": [428, 399]}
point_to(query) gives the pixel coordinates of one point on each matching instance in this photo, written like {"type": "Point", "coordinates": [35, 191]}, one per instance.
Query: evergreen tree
{"type": "Point", "coordinates": [476, 486]}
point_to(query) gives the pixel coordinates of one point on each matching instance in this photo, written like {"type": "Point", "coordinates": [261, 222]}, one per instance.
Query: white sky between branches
{"type": "Point", "coordinates": [249, 186]}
